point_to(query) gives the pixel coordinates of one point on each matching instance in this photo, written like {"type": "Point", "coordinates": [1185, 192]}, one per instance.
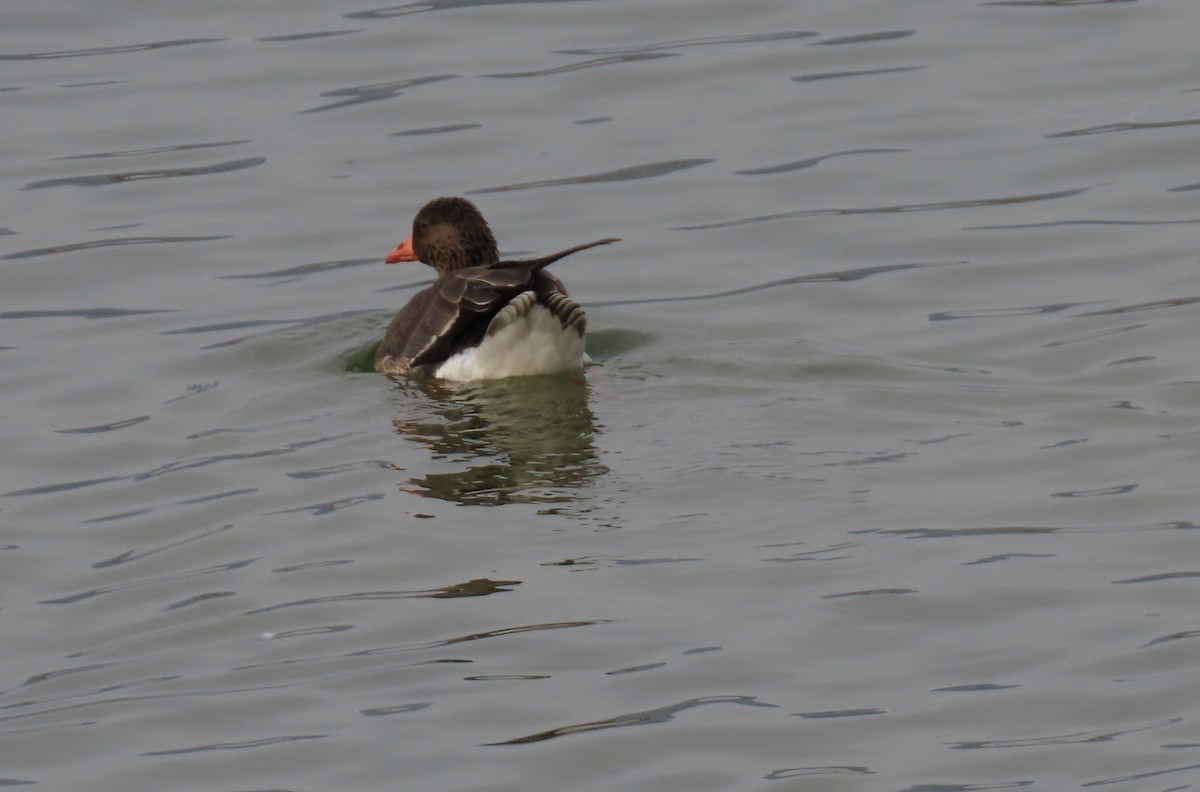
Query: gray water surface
{"type": "Point", "coordinates": [884, 478]}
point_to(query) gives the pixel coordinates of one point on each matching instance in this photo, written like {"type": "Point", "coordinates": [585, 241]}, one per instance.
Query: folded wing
{"type": "Point", "coordinates": [455, 311]}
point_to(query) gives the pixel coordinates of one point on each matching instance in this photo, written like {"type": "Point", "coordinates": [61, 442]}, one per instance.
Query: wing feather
{"type": "Point", "coordinates": [455, 311]}
{"type": "Point", "coordinates": [464, 303]}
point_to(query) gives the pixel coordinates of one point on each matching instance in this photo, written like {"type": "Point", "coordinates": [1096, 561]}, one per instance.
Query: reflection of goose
{"type": "Point", "coordinates": [527, 440]}
{"type": "Point", "coordinates": [483, 318]}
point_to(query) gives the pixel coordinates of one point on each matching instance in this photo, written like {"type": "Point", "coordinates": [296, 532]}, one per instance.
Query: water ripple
{"type": "Point", "coordinates": [648, 51]}
{"type": "Point", "coordinates": [945, 533]}
{"type": "Point", "coordinates": [1187, 635]}
{"type": "Point", "coordinates": [221, 326]}
{"type": "Point", "coordinates": [1160, 577]}
{"type": "Point", "coordinates": [846, 713]}
{"type": "Point", "coordinates": [85, 313]}
{"type": "Point", "coordinates": [357, 596]}
{"type": "Point", "coordinates": [813, 161]}
{"type": "Point", "coordinates": [253, 428]}
{"type": "Point", "coordinates": [1093, 335]}
{"type": "Point", "coordinates": [276, 325]}
{"type": "Point", "coordinates": [1120, 489]}
{"type": "Point", "coordinates": [977, 688]}
{"type": "Point", "coordinates": [44, 676]}
{"type": "Point", "coordinates": [437, 130]}
{"type": "Point", "coordinates": [396, 710]}
{"type": "Point", "coordinates": [480, 636]}
{"type": "Point", "coordinates": [1148, 306]}
{"type": "Point", "coordinates": [861, 38]}
{"type": "Point", "coordinates": [24, 710]}
{"type": "Point", "coordinates": [153, 580]}
{"type": "Point", "coordinates": [858, 73]}
{"type": "Point", "coordinates": [46, 489]}
{"type": "Point", "coordinates": [647, 171]}
{"type": "Point", "coordinates": [1075, 738]}
{"type": "Point", "coordinates": [652, 716]}
{"type": "Point", "coordinates": [1125, 127]}
{"type": "Point", "coordinates": [230, 746]}
{"type": "Point", "coordinates": [798, 772]}
{"type": "Point", "coordinates": [375, 92]}
{"type": "Point", "coordinates": [207, 596]}
{"type": "Point", "coordinates": [345, 467]}
{"type": "Point", "coordinates": [306, 36]}
{"type": "Point", "coordinates": [437, 5]}
{"type": "Point", "coordinates": [1149, 773]}
{"type": "Point", "coordinates": [925, 207]}
{"type": "Point", "coordinates": [174, 467]}
{"type": "Point", "coordinates": [1050, 3]}
{"type": "Point", "coordinates": [149, 550]}
{"type": "Point", "coordinates": [166, 173]}
{"type": "Point", "coordinates": [328, 507]}
{"type": "Point", "coordinates": [108, 427]}
{"type": "Point", "coordinates": [868, 593]}
{"type": "Point", "coordinates": [80, 53]}
{"type": "Point", "coordinates": [842, 276]}
{"type": "Point", "coordinates": [154, 150]}
{"type": "Point", "coordinates": [570, 67]}
{"type": "Point", "coordinates": [115, 242]}
{"type": "Point", "coordinates": [205, 461]}
{"type": "Point", "coordinates": [304, 269]}
{"type": "Point", "coordinates": [694, 42]}
{"type": "Point", "coordinates": [95, 84]}
{"type": "Point", "coordinates": [1055, 223]}
{"type": "Point", "coordinates": [1004, 313]}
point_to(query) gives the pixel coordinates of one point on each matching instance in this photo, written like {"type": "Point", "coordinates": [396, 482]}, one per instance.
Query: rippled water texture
{"type": "Point", "coordinates": [884, 478]}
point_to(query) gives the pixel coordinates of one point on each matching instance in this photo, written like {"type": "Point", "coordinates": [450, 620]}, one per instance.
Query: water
{"type": "Point", "coordinates": [883, 479]}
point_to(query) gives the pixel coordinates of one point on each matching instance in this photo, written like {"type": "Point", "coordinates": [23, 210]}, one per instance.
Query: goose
{"type": "Point", "coordinates": [482, 318]}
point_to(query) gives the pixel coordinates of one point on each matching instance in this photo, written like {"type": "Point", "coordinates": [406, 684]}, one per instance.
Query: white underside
{"type": "Point", "coordinates": [537, 343]}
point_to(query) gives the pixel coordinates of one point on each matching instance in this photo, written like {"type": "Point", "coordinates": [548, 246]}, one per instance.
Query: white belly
{"type": "Point", "coordinates": [537, 343]}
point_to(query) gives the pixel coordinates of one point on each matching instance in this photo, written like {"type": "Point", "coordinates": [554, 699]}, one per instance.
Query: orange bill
{"type": "Point", "coordinates": [402, 252]}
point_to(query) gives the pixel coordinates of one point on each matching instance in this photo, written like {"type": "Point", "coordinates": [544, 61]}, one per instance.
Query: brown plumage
{"type": "Point", "coordinates": [468, 301]}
